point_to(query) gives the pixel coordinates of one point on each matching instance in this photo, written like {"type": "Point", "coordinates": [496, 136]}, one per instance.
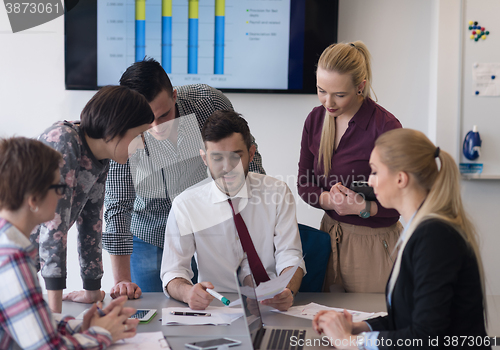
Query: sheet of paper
{"type": "Point", "coordinates": [486, 79]}
{"type": "Point", "coordinates": [267, 290]}
{"type": "Point", "coordinates": [219, 316]}
{"type": "Point", "coordinates": [310, 310]}
{"type": "Point", "coordinates": [146, 341]}
{"type": "Point", "coordinates": [236, 302]}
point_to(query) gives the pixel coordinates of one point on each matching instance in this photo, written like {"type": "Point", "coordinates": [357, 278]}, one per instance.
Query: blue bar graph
{"type": "Point", "coordinates": [220, 15]}
{"type": "Point", "coordinates": [219, 45]}
{"type": "Point", "coordinates": [193, 12]}
{"type": "Point", "coordinates": [193, 40]}
{"type": "Point", "coordinates": [140, 30]}
{"type": "Point", "coordinates": [193, 46]}
{"type": "Point", "coordinates": [166, 44]}
{"type": "Point", "coordinates": [166, 35]}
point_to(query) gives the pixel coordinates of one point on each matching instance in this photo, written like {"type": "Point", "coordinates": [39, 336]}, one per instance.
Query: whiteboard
{"type": "Point", "coordinates": [483, 111]}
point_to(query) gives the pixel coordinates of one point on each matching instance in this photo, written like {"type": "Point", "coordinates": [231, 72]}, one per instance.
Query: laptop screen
{"type": "Point", "coordinates": [250, 304]}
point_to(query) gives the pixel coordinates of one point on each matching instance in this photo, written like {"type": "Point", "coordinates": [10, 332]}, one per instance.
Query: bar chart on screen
{"type": "Point", "coordinates": [223, 43]}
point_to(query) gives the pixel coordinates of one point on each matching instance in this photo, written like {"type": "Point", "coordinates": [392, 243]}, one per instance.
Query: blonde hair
{"type": "Point", "coordinates": [412, 152]}
{"type": "Point", "coordinates": [354, 59]}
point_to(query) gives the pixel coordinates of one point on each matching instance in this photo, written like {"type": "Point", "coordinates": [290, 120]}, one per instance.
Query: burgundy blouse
{"type": "Point", "coordinates": [350, 161]}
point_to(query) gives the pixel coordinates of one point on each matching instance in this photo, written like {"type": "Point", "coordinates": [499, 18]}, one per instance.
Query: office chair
{"type": "Point", "coordinates": [316, 248]}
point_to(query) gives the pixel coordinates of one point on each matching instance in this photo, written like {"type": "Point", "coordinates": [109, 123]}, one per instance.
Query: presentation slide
{"type": "Point", "coordinates": [240, 44]}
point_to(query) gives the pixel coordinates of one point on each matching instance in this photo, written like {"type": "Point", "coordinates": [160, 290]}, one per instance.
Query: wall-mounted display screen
{"type": "Point", "coordinates": [233, 45]}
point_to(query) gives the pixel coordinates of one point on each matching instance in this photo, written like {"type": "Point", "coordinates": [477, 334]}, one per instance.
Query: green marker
{"type": "Point", "coordinates": [224, 300]}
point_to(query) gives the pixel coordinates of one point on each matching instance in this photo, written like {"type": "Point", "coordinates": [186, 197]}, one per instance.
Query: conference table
{"type": "Point", "coordinates": [177, 336]}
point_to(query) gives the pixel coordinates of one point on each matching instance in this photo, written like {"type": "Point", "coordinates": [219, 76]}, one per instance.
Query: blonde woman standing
{"type": "Point", "coordinates": [337, 140]}
{"type": "Point", "coordinates": [435, 294]}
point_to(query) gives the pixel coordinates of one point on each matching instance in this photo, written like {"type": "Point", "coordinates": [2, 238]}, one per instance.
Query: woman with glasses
{"type": "Point", "coordinates": [108, 123]}
{"type": "Point", "coordinates": [29, 192]}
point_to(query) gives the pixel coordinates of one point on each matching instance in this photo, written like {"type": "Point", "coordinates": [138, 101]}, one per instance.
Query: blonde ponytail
{"type": "Point", "coordinates": [327, 144]}
{"type": "Point", "coordinates": [412, 152]}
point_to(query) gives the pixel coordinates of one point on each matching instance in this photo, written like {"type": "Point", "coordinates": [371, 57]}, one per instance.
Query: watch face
{"type": "Point", "coordinates": [364, 214]}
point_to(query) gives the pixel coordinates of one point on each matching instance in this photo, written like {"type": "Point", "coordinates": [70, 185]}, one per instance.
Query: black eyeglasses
{"type": "Point", "coordinates": [59, 188]}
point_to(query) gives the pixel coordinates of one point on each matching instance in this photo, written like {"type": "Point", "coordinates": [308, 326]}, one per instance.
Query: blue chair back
{"type": "Point", "coordinates": [316, 248]}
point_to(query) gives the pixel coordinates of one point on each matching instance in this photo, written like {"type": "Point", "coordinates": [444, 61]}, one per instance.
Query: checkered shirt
{"type": "Point", "coordinates": [25, 317]}
{"type": "Point", "coordinates": [142, 209]}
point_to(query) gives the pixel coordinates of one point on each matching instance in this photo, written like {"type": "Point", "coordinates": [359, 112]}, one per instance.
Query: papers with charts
{"type": "Point", "coordinates": [310, 310]}
{"type": "Point", "coordinates": [219, 316]}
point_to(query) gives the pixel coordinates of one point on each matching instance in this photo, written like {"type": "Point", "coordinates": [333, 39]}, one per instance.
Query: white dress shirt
{"type": "Point", "coordinates": [201, 224]}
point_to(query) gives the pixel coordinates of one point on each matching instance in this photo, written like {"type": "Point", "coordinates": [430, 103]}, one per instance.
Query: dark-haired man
{"type": "Point", "coordinates": [202, 221]}
{"type": "Point", "coordinates": [139, 194]}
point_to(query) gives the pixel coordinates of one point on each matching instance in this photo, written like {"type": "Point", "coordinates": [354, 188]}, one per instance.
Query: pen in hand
{"type": "Point", "coordinates": [222, 298]}
{"type": "Point", "coordinates": [100, 312]}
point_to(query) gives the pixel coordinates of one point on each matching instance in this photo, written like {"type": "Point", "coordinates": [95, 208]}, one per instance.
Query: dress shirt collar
{"type": "Point", "coordinates": [217, 196]}
{"type": "Point", "coordinates": [15, 237]}
{"type": "Point", "coordinates": [366, 109]}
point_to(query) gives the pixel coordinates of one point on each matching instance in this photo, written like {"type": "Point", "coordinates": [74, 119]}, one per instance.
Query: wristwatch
{"type": "Point", "coordinates": [361, 341]}
{"type": "Point", "coordinates": [365, 213]}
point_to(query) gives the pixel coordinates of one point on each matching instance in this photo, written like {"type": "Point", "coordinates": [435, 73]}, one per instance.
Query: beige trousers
{"type": "Point", "coordinates": [361, 258]}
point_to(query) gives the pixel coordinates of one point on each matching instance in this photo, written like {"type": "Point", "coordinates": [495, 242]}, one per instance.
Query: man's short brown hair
{"type": "Point", "coordinates": [222, 124]}
{"type": "Point", "coordinates": [27, 167]}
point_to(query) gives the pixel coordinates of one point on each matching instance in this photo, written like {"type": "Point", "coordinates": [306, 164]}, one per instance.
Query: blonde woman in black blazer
{"type": "Point", "coordinates": [435, 294]}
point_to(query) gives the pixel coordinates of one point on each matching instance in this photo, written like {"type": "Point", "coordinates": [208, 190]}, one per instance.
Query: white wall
{"type": "Point", "coordinates": [398, 36]}
{"type": "Point", "coordinates": [480, 197]}
{"type": "Point", "coordinates": [412, 45]}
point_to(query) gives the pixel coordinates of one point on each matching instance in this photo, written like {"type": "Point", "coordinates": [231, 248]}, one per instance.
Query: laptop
{"type": "Point", "coordinates": [272, 337]}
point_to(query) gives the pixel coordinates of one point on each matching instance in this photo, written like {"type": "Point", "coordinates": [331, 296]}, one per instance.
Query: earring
{"type": "Point", "coordinates": [34, 210]}
{"type": "Point", "coordinates": [360, 92]}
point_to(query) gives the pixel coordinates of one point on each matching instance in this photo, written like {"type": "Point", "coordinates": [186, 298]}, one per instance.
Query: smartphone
{"type": "Point", "coordinates": [144, 315]}
{"type": "Point", "coordinates": [212, 344]}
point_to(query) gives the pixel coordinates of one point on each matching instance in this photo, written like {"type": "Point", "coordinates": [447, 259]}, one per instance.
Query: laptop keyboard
{"type": "Point", "coordinates": [280, 339]}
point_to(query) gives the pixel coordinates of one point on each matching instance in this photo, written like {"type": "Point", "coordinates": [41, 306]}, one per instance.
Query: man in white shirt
{"type": "Point", "coordinates": [201, 222]}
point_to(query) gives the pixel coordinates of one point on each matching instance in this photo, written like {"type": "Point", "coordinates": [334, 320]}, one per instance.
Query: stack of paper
{"type": "Point", "coordinates": [146, 340]}
{"type": "Point", "coordinates": [310, 310]}
{"type": "Point", "coordinates": [219, 316]}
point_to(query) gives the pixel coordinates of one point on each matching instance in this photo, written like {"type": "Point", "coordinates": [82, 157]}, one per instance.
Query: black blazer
{"type": "Point", "coordinates": [437, 297]}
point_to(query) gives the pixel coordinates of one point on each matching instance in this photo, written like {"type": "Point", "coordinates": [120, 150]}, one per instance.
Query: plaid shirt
{"type": "Point", "coordinates": [139, 194]}
{"type": "Point", "coordinates": [25, 317]}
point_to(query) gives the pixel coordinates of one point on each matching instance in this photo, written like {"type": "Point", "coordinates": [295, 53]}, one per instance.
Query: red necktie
{"type": "Point", "coordinates": [258, 270]}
